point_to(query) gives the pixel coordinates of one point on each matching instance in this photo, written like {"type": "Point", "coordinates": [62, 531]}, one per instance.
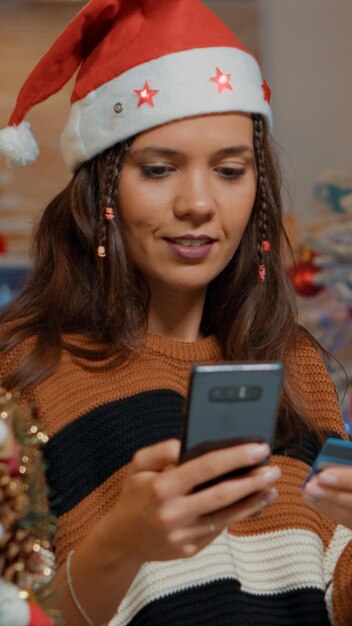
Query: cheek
{"type": "Point", "coordinates": [239, 212]}
{"type": "Point", "coordinates": [140, 212]}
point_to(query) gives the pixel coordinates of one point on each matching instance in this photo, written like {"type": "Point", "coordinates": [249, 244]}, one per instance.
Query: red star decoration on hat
{"type": "Point", "coordinates": [222, 80]}
{"type": "Point", "coordinates": [146, 95]}
{"type": "Point", "coordinates": [266, 92]}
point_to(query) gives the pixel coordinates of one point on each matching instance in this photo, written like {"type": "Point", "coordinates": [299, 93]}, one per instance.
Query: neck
{"type": "Point", "coordinates": [176, 315]}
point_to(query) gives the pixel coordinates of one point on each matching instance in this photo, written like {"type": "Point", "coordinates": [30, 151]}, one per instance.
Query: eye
{"type": "Point", "coordinates": [231, 173]}
{"type": "Point", "coordinates": [156, 171]}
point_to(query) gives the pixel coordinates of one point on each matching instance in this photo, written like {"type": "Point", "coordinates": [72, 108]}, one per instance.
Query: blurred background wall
{"type": "Point", "coordinates": [306, 54]}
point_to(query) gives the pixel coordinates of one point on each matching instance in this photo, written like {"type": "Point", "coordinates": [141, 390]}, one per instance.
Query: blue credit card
{"type": "Point", "coordinates": [333, 452]}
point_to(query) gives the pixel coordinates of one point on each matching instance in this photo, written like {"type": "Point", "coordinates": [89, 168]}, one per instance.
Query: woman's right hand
{"type": "Point", "coordinates": [158, 516]}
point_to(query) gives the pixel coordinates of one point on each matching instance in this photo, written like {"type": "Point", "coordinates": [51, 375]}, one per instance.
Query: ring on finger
{"type": "Point", "coordinates": [211, 524]}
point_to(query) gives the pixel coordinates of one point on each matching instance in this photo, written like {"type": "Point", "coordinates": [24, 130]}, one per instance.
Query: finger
{"type": "Point", "coordinates": [157, 457]}
{"type": "Point", "coordinates": [188, 475]}
{"type": "Point", "coordinates": [184, 509]}
{"type": "Point", "coordinates": [329, 497]}
{"type": "Point", "coordinates": [335, 511]}
{"type": "Point", "coordinates": [247, 508]}
{"type": "Point", "coordinates": [228, 492]}
{"type": "Point", "coordinates": [336, 477]}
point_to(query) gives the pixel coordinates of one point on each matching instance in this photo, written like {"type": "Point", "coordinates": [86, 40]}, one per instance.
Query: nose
{"type": "Point", "coordinates": [195, 200]}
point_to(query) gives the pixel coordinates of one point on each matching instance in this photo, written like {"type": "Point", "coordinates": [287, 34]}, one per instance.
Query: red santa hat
{"type": "Point", "coordinates": [142, 63]}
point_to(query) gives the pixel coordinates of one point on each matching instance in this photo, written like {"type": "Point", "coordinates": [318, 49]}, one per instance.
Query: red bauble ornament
{"type": "Point", "coordinates": [3, 246]}
{"type": "Point", "coordinates": [302, 279]}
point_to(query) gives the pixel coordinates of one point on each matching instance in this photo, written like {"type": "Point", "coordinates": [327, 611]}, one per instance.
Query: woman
{"type": "Point", "coordinates": [165, 249]}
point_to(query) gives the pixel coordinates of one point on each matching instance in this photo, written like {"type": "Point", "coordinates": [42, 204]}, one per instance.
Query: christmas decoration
{"type": "Point", "coordinates": [146, 95]}
{"type": "Point", "coordinates": [18, 145]}
{"type": "Point", "coordinates": [303, 273]}
{"type": "Point", "coordinates": [334, 264]}
{"type": "Point", "coordinates": [3, 246]}
{"type": "Point", "coordinates": [328, 312]}
{"type": "Point", "coordinates": [330, 321]}
{"type": "Point", "coordinates": [266, 92]}
{"type": "Point", "coordinates": [222, 80]}
{"type": "Point", "coordinates": [26, 561]}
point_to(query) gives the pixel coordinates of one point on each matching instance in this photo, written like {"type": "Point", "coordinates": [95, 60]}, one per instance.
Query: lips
{"type": "Point", "coordinates": [190, 243]}
{"type": "Point", "coordinates": [190, 240]}
{"type": "Point", "coordinates": [191, 247]}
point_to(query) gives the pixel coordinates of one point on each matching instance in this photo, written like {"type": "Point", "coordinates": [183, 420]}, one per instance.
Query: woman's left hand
{"type": "Point", "coordinates": [330, 492]}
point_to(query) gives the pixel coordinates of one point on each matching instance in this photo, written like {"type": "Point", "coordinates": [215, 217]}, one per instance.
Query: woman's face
{"type": "Point", "coordinates": [186, 194]}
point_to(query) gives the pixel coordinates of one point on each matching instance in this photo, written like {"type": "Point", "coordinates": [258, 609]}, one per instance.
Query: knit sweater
{"type": "Point", "coordinates": [290, 566]}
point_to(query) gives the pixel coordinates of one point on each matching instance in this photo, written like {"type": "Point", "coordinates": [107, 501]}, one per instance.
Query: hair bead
{"type": "Point", "coordinates": [262, 273]}
{"type": "Point", "coordinates": [266, 246]}
{"type": "Point", "coordinates": [109, 213]}
{"type": "Point", "coordinates": [101, 252]}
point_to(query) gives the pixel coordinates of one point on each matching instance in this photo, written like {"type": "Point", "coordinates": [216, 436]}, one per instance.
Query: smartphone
{"type": "Point", "coordinates": [229, 404]}
{"type": "Point", "coordinates": [333, 452]}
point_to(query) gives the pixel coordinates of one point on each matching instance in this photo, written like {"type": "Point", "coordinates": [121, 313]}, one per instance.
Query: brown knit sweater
{"type": "Point", "coordinates": [289, 567]}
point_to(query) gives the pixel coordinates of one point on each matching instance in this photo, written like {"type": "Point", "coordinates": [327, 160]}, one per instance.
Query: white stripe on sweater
{"type": "Point", "coordinates": [341, 537]}
{"type": "Point", "coordinates": [264, 564]}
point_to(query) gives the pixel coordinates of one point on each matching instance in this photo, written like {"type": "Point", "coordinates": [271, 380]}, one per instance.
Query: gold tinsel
{"type": "Point", "coordinates": [26, 559]}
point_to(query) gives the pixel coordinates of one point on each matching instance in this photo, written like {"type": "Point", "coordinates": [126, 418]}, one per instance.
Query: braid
{"type": "Point", "coordinates": [114, 159]}
{"type": "Point", "coordinates": [263, 245]}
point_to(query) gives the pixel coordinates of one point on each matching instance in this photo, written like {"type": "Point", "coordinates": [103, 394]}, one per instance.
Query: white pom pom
{"type": "Point", "coordinates": [18, 145]}
{"type": "Point", "coordinates": [13, 611]}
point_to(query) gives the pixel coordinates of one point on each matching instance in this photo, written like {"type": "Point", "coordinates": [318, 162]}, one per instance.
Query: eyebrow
{"type": "Point", "coordinates": [231, 150]}
{"type": "Point", "coordinates": [236, 150]}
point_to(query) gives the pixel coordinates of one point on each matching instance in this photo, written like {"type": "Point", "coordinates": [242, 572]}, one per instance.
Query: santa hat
{"type": "Point", "coordinates": [142, 63]}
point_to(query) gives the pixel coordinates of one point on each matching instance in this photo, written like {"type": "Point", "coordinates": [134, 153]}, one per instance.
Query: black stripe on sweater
{"type": "Point", "coordinates": [87, 451]}
{"type": "Point", "coordinates": [222, 603]}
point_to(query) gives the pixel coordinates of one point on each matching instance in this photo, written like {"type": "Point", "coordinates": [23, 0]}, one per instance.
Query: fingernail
{"type": "Point", "coordinates": [270, 497]}
{"type": "Point", "coordinates": [314, 491]}
{"type": "Point", "coordinates": [327, 478]}
{"type": "Point", "coordinates": [260, 451]}
{"type": "Point", "coordinates": [272, 474]}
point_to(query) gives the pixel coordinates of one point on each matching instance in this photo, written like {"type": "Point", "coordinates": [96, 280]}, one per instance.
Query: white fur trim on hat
{"type": "Point", "coordinates": [18, 145]}
{"type": "Point", "coordinates": [185, 89]}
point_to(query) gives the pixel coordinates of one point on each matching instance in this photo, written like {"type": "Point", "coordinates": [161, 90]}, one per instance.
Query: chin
{"type": "Point", "coordinates": [186, 284]}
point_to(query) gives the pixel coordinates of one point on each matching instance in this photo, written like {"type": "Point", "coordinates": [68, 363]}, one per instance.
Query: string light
{"type": "Point", "coordinates": [146, 95]}
{"type": "Point", "coordinates": [266, 92]}
{"type": "Point", "coordinates": [222, 80]}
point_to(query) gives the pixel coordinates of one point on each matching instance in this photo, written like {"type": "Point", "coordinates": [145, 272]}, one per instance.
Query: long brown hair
{"type": "Point", "coordinates": [71, 290]}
